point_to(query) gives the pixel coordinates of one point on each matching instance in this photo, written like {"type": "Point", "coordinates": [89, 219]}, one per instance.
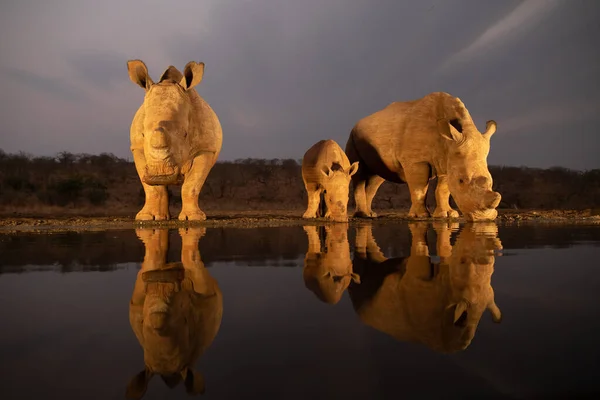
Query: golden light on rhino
{"type": "Point", "coordinates": [415, 300]}
{"type": "Point", "coordinates": [326, 173]}
{"type": "Point", "coordinates": [327, 265]}
{"type": "Point", "coordinates": [176, 139]}
{"type": "Point", "coordinates": [414, 141]}
{"type": "Point", "coordinates": [175, 312]}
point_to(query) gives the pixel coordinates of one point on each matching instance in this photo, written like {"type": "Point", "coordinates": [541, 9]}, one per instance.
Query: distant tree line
{"type": "Point", "coordinates": [110, 184]}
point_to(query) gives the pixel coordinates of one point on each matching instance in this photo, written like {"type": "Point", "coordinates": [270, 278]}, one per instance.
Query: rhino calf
{"type": "Point", "coordinates": [327, 268]}
{"type": "Point", "coordinates": [175, 139]}
{"type": "Point", "coordinates": [417, 140]}
{"type": "Point", "coordinates": [326, 170]}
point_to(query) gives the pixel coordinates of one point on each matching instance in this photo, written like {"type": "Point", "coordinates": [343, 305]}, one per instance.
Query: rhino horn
{"type": "Point", "coordinates": [171, 73]}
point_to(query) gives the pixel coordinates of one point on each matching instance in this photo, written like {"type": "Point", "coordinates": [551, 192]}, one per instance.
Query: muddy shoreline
{"type": "Point", "coordinates": [250, 219]}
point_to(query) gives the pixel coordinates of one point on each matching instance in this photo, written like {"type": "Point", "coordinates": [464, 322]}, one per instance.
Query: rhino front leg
{"type": "Point", "coordinates": [417, 178]}
{"type": "Point", "coordinates": [442, 197]}
{"type": "Point", "coordinates": [192, 185]}
{"type": "Point", "coordinates": [314, 197]}
{"type": "Point", "coordinates": [156, 205]}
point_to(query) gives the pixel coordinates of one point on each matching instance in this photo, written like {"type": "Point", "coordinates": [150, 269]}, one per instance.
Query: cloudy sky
{"type": "Point", "coordinates": [283, 74]}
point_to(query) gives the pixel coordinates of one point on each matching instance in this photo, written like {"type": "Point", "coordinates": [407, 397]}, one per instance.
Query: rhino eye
{"type": "Point", "coordinates": [461, 181]}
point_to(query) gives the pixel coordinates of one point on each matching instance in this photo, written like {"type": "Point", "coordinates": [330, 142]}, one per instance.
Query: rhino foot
{"type": "Point", "coordinates": [363, 214]}
{"type": "Point", "coordinates": [308, 215]}
{"type": "Point", "coordinates": [441, 213]}
{"type": "Point", "coordinates": [146, 215]}
{"type": "Point", "coordinates": [418, 213]}
{"type": "Point", "coordinates": [195, 215]}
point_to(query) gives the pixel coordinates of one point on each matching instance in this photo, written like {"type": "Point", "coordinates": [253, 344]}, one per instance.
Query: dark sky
{"type": "Point", "coordinates": [283, 74]}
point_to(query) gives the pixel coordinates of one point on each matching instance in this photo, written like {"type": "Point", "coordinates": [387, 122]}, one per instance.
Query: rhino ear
{"type": "Point", "coordinates": [353, 168]}
{"type": "Point", "coordinates": [192, 74]}
{"type": "Point", "coordinates": [171, 73]}
{"type": "Point", "coordinates": [138, 384]}
{"type": "Point", "coordinates": [490, 129]}
{"type": "Point", "coordinates": [449, 131]}
{"type": "Point", "coordinates": [138, 73]}
{"type": "Point", "coordinates": [194, 382]}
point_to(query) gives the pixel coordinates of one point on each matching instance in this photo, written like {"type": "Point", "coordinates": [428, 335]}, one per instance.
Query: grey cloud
{"type": "Point", "coordinates": [283, 75]}
{"type": "Point", "coordinates": [99, 68]}
{"type": "Point", "coordinates": [52, 86]}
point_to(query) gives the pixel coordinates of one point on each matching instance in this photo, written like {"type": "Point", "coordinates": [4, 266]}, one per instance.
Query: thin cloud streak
{"type": "Point", "coordinates": [520, 20]}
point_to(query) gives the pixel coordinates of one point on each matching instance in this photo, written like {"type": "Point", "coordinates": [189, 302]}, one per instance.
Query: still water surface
{"type": "Point", "coordinates": [366, 312]}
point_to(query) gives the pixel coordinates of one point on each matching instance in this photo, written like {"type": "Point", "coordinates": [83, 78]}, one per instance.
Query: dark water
{"type": "Point", "coordinates": [366, 312]}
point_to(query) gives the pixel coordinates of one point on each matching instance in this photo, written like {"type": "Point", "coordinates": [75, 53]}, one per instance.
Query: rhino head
{"type": "Point", "coordinates": [166, 120]}
{"type": "Point", "coordinates": [336, 184]}
{"type": "Point", "coordinates": [328, 273]}
{"type": "Point", "coordinates": [471, 266]}
{"type": "Point", "coordinates": [469, 179]}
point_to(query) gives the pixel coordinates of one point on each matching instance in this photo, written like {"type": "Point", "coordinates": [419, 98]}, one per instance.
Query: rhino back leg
{"type": "Point", "coordinates": [359, 179]}
{"type": "Point", "coordinates": [192, 185]}
{"type": "Point", "coordinates": [371, 187]}
{"type": "Point", "coordinates": [156, 205]}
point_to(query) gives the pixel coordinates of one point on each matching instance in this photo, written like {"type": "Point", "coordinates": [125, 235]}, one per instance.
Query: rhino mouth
{"type": "Point", "coordinates": [169, 177]}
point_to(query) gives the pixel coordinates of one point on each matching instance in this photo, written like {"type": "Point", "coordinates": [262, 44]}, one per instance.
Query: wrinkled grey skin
{"type": "Point", "coordinates": [175, 312]}
{"type": "Point", "coordinates": [414, 300]}
{"type": "Point", "coordinates": [415, 141]}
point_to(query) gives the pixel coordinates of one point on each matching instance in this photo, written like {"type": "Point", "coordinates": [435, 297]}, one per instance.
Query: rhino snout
{"type": "Point", "coordinates": [492, 199]}
{"type": "Point", "coordinates": [158, 320]}
{"type": "Point", "coordinates": [159, 140]}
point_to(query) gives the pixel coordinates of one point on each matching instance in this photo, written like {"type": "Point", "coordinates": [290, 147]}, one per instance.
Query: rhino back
{"type": "Point", "coordinates": [321, 154]}
{"type": "Point", "coordinates": [406, 132]}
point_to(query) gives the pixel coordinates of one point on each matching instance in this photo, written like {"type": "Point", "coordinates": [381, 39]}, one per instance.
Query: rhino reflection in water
{"type": "Point", "coordinates": [414, 300]}
{"type": "Point", "coordinates": [328, 273]}
{"type": "Point", "coordinates": [175, 312]}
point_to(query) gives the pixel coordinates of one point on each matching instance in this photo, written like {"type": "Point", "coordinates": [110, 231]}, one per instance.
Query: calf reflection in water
{"type": "Point", "coordinates": [328, 267]}
{"type": "Point", "coordinates": [414, 300]}
{"type": "Point", "coordinates": [175, 312]}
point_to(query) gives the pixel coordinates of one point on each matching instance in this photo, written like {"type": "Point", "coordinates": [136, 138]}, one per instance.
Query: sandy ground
{"type": "Point", "coordinates": [249, 219]}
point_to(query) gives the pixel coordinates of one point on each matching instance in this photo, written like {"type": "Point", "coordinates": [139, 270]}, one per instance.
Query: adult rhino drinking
{"type": "Point", "coordinates": [417, 140]}
{"type": "Point", "coordinates": [175, 139]}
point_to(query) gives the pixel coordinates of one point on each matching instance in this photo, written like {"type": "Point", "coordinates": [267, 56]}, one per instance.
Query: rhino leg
{"type": "Point", "coordinates": [314, 197]}
{"type": "Point", "coordinates": [373, 183]}
{"type": "Point", "coordinates": [365, 187]}
{"type": "Point", "coordinates": [417, 177]}
{"type": "Point", "coordinates": [442, 200]}
{"type": "Point", "coordinates": [443, 232]}
{"type": "Point", "coordinates": [419, 264]}
{"type": "Point", "coordinates": [192, 185]}
{"type": "Point", "coordinates": [156, 206]}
